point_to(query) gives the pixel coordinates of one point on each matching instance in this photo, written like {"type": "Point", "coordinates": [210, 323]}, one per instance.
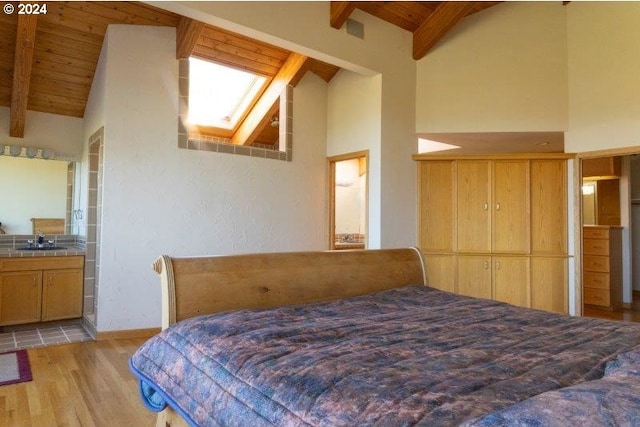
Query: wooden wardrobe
{"type": "Point", "coordinates": [496, 227]}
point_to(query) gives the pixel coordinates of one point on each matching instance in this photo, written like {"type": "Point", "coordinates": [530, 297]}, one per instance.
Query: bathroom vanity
{"type": "Point", "coordinates": [40, 288]}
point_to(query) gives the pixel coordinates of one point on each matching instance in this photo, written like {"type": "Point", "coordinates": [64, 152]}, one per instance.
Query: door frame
{"type": "Point", "coordinates": [577, 185]}
{"type": "Point", "coordinates": [331, 166]}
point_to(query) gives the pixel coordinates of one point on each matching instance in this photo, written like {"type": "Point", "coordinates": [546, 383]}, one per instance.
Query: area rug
{"type": "Point", "coordinates": [14, 367]}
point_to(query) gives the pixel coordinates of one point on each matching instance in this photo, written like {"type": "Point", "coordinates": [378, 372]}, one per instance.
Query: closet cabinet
{"type": "Point", "coordinates": [492, 206]}
{"type": "Point", "coordinates": [503, 278]}
{"type": "Point", "coordinates": [496, 227]}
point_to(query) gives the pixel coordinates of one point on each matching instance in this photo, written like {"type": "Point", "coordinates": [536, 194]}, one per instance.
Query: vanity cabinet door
{"type": "Point", "coordinates": [61, 294]}
{"type": "Point", "coordinates": [20, 297]}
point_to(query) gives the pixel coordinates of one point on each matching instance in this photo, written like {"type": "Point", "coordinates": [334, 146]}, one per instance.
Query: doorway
{"type": "Point", "coordinates": [348, 200]}
{"type": "Point", "coordinates": [611, 236]}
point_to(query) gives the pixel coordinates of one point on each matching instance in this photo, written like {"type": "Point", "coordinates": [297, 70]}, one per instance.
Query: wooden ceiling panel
{"type": "Point", "coordinates": [48, 85]}
{"type": "Point", "coordinates": [62, 104]}
{"type": "Point", "coordinates": [243, 54]}
{"type": "Point", "coordinates": [50, 27]}
{"type": "Point", "coordinates": [7, 56]}
{"type": "Point", "coordinates": [245, 43]}
{"type": "Point", "coordinates": [45, 56]}
{"type": "Point", "coordinates": [322, 69]}
{"type": "Point", "coordinates": [127, 13]}
{"type": "Point", "coordinates": [82, 79]}
{"type": "Point", "coordinates": [233, 60]}
{"type": "Point", "coordinates": [404, 14]}
{"type": "Point", "coordinates": [62, 15]}
{"type": "Point", "coordinates": [65, 46]}
{"type": "Point", "coordinates": [240, 52]}
{"type": "Point", "coordinates": [269, 135]}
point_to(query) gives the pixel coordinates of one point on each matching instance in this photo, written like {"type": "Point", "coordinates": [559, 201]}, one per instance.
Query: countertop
{"type": "Point", "coordinates": [17, 253]}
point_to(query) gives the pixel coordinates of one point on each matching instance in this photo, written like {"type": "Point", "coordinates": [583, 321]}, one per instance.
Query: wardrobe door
{"type": "Point", "coordinates": [549, 284]}
{"type": "Point", "coordinates": [549, 207]}
{"type": "Point", "coordinates": [473, 202]}
{"type": "Point", "coordinates": [436, 210]}
{"type": "Point", "coordinates": [474, 276]}
{"type": "Point", "coordinates": [511, 280]}
{"type": "Point", "coordinates": [510, 207]}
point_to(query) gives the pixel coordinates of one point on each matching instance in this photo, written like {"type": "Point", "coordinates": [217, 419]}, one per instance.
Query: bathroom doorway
{"type": "Point", "coordinates": [348, 196]}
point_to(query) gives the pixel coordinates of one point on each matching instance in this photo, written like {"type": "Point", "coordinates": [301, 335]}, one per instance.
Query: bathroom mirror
{"type": "Point", "coordinates": [35, 188]}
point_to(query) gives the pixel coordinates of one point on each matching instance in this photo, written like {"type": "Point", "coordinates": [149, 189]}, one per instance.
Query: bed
{"type": "Point", "coordinates": [358, 338]}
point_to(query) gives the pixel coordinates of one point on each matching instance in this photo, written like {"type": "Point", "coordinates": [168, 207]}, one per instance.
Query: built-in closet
{"type": "Point", "coordinates": [496, 226]}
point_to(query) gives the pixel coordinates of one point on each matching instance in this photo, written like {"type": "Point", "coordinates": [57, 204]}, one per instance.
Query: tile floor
{"type": "Point", "coordinates": [42, 335]}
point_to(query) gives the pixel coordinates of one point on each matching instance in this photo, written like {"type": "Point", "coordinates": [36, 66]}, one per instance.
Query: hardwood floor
{"type": "Point", "coordinates": [628, 314]}
{"type": "Point", "coordinates": [81, 384]}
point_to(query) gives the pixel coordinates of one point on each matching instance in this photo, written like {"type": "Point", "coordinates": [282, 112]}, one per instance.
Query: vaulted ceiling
{"type": "Point", "coordinates": [429, 21]}
{"type": "Point", "coordinates": [48, 61]}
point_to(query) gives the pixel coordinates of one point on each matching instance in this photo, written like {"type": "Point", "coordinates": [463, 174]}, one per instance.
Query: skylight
{"type": "Point", "coordinates": [429, 146]}
{"type": "Point", "coordinates": [219, 96]}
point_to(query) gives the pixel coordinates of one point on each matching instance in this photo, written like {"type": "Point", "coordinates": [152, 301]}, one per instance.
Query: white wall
{"type": "Point", "coordinates": [32, 188]}
{"type": "Point", "coordinates": [354, 125]}
{"type": "Point", "coordinates": [94, 119]}
{"type": "Point", "coordinates": [385, 52]}
{"type": "Point", "coordinates": [42, 130]}
{"type": "Point", "coordinates": [159, 199]}
{"type": "Point", "coordinates": [500, 70]}
{"type": "Point", "coordinates": [604, 65]}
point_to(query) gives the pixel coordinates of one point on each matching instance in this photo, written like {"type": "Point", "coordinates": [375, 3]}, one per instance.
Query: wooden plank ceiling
{"type": "Point", "coordinates": [47, 62]}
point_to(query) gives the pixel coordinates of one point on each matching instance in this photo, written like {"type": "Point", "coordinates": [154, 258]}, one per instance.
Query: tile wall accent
{"type": "Point", "coordinates": [71, 168]}
{"type": "Point", "coordinates": [190, 141]}
{"type": "Point", "coordinates": [92, 257]}
{"type": "Point", "coordinates": [350, 238]}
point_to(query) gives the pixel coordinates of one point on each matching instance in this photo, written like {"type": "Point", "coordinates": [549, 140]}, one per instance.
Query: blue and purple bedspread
{"type": "Point", "coordinates": [404, 357]}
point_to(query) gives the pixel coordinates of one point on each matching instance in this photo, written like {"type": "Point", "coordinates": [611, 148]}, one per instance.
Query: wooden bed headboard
{"type": "Point", "coordinates": [201, 285]}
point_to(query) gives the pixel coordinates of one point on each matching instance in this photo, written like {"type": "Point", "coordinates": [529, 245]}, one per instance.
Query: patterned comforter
{"type": "Point", "coordinates": [403, 357]}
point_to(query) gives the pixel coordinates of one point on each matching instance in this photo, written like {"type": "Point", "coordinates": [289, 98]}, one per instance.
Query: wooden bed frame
{"type": "Point", "coordinates": [203, 285]}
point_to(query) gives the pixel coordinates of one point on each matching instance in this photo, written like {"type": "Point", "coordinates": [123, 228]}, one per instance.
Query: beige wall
{"type": "Point", "coordinates": [353, 124]}
{"type": "Point", "coordinates": [385, 54]}
{"type": "Point", "coordinates": [604, 70]}
{"type": "Point", "coordinates": [42, 130]}
{"type": "Point", "coordinates": [500, 70]}
{"type": "Point", "coordinates": [159, 199]}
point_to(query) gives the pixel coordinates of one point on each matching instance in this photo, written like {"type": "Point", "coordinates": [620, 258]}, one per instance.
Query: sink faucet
{"type": "Point", "coordinates": [40, 238]}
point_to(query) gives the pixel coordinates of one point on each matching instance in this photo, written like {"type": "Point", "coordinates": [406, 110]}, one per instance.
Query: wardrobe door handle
{"type": "Point", "coordinates": [497, 206]}
{"type": "Point", "coordinates": [497, 265]}
{"type": "Point", "coordinates": [486, 265]}
{"type": "Point", "coordinates": [486, 206]}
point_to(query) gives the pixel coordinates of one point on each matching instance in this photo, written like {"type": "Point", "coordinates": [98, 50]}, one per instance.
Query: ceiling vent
{"type": "Point", "coordinates": [355, 28]}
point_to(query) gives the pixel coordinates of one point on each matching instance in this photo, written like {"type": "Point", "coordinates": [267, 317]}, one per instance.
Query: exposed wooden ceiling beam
{"type": "Point", "coordinates": [187, 35]}
{"type": "Point", "coordinates": [23, 60]}
{"type": "Point", "coordinates": [432, 29]}
{"type": "Point", "coordinates": [250, 127]}
{"type": "Point", "coordinates": [339, 12]}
